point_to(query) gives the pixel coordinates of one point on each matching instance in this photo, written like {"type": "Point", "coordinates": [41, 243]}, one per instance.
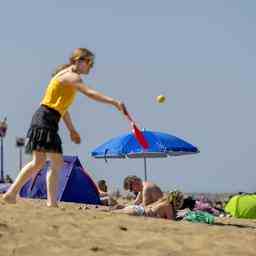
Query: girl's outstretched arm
{"type": "Point", "coordinates": [75, 80]}
{"type": "Point", "coordinates": [95, 95]}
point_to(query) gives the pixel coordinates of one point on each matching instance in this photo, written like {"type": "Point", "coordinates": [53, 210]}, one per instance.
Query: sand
{"type": "Point", "coordinates": [30, 228]}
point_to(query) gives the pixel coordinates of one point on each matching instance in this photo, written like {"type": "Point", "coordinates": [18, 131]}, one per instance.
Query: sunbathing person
{"type": "Point", "coordinates": [148, 192]}
{"type": "Point", "coordinates": [164, 207]}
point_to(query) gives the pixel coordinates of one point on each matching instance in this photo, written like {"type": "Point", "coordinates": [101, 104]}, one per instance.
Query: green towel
{"type": "Point", "coordinates": [199, 216]}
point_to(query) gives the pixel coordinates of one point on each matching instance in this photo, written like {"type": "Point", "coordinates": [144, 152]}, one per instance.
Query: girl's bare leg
{"type": "Point", "coordinates": [37, 162]}
{"type": "Point", "coordinates": [52, 178]}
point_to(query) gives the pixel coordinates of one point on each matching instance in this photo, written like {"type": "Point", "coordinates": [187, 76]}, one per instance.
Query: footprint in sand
{"type": "Point", "coordinates": [96, 249]}
{"type": "Point", "coordinates": [123, 228]}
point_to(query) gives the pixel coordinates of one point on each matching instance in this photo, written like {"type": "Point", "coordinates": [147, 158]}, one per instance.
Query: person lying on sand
{"type": "Point", "coordinates": [164, 207]}
{"type": "Point", "coordinates": [148, 192]}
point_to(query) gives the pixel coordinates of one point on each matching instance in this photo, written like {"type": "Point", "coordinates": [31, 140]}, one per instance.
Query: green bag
{"type": "Point", "coordinates": [199, 216]}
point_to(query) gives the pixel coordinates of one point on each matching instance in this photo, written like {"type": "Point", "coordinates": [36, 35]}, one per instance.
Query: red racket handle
{"type": "Point", "coordinates": [128, 115]}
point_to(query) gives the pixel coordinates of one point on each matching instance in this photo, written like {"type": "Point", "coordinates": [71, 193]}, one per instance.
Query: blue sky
{"type": "Point", "coordinates": [200, 54]}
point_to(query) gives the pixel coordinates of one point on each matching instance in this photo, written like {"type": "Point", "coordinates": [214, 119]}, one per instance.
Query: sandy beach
{"type": "Point", "coordinates": [30, 228]}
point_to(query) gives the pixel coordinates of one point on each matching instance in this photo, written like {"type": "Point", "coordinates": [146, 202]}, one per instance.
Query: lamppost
{"type": "Point", "coordinates": [20, 142]}
{"type": "Point", "coordinates": [3, 130]}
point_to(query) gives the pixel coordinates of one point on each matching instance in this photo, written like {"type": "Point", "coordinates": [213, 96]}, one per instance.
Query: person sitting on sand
{"type": "Point", "coordinates": [148, 192]}
{"type": "Point", "coordinates": [165, 207]}
{"type": "Point", "coordinates": [102, 188]}
{"type": "Point", "coordinates": [105, 198]}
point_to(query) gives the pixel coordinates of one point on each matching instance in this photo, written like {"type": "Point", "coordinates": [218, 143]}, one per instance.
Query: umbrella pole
{"type": "Point", "coordinates": [145, 169]}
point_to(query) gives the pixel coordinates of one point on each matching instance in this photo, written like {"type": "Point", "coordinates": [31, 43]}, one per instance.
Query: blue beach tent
{"type": "Point", "coordinates": [75, 185]}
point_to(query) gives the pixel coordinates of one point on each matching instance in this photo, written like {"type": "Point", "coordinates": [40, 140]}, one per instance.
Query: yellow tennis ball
{"type": "Point", "coordinates": [160, 98]}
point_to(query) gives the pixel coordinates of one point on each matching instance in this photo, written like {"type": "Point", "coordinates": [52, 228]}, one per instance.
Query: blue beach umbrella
{"type": "Point", "coordinates": [160, 145]}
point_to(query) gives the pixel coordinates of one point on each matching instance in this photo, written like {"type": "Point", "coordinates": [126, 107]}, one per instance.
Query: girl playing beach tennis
{"type": "Point", "coordinates": [43, 139]}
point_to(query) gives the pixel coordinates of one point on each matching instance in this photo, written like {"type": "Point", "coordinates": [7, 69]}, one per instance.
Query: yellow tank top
{"type": "Point", "coordinates": [58, 96]}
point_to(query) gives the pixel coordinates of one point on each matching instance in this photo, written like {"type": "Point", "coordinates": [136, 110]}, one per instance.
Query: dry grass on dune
{"type": "Point", "coordinates": [30, 228]}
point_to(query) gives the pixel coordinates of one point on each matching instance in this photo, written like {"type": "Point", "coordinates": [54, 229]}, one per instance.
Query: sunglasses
{"type": "Point", "coordinates": [90, 61]}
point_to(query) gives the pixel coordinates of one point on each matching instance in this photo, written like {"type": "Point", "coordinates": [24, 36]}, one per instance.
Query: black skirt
{"type": "Point", "coordinates": [43, 132]}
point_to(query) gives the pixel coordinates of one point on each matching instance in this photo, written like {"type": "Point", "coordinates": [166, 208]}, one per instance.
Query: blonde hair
{"type": "Point", "coordinates": [77, 55]}
{"type": "Point", "coordinates": [175, 198]}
